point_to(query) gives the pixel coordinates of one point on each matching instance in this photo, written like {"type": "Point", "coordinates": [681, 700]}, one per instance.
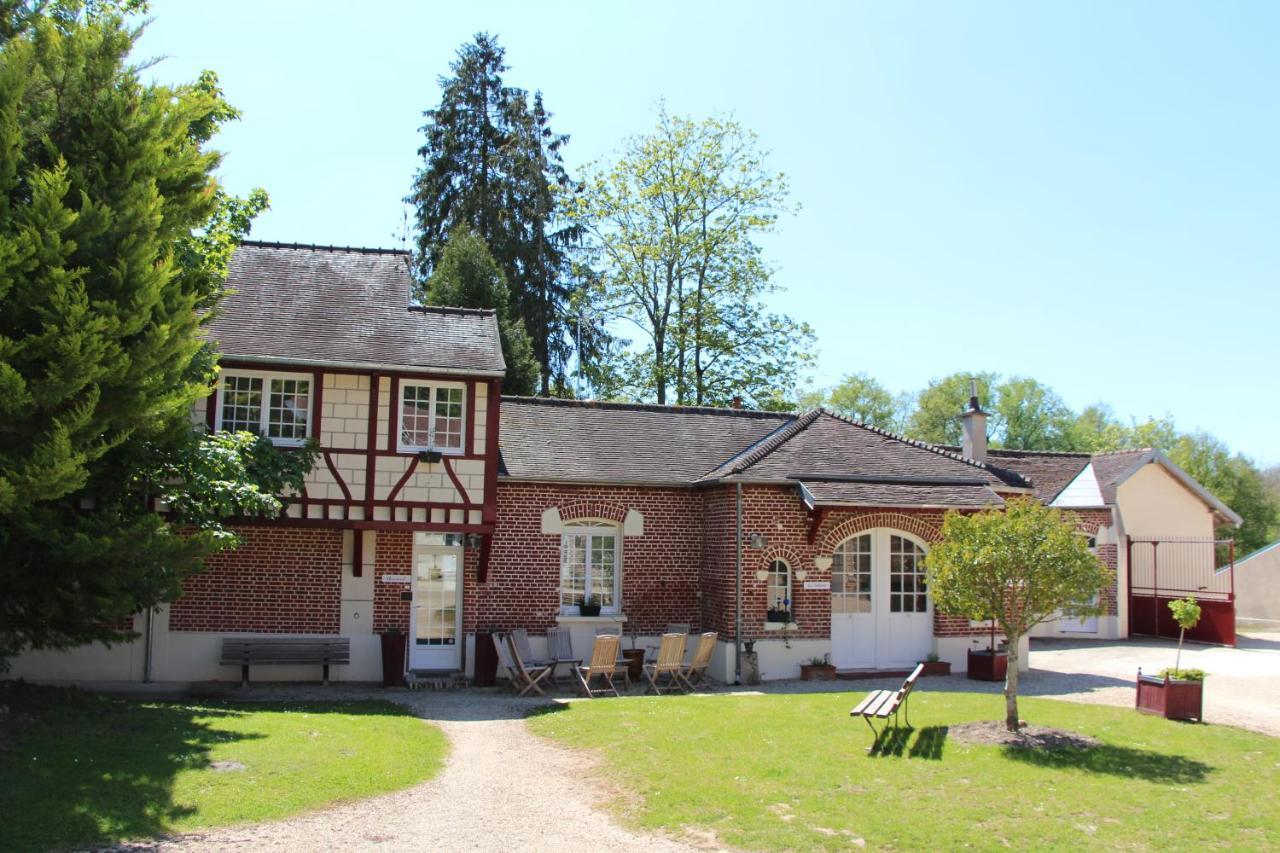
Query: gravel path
{"type": "Point", "coordinates": [502, 788]}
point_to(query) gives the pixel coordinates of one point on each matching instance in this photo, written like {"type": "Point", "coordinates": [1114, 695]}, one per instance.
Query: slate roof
{"type": "Point", "coordinates": [342, 307]}
{"type": "Point", "coordinates": [592, 442]}
{"type": "Point", "coordinates": [1049, 473]}
{"type": "Point", "coordinates": [927, 494]}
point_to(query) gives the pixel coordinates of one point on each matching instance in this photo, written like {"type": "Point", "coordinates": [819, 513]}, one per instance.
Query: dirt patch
{"type": "Point", "coordinates": [993, 733]}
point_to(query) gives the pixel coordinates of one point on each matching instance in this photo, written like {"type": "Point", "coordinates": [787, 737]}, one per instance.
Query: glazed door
{"type": "Point", "coordinates": [436, 615]}
{"type": "Point", "coordinates": [881, 615]}
{"type": "Point", "coordinates": [853, 611]}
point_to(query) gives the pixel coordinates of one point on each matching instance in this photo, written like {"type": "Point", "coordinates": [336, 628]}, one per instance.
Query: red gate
{"type": "Point", "coordinates": [1162, 570]}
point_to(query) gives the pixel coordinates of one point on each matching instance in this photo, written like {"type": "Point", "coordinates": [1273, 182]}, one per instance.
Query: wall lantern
{"type": "Point", "coordinates": [758, 541]}
{"type": "Point", "coordinates": [822, 562]}
{"type": "Point", "coordinates": [473, 540]}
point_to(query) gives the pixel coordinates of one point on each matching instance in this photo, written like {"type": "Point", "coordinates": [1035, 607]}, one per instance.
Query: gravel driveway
{"type": "Point", "coordinates": [506, 789]}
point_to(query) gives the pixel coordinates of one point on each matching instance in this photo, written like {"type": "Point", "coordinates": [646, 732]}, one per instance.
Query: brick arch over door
{"type": "Point", "coordinates": [593, 509]}
{"type": "Point", "coordinates": [921, 527]}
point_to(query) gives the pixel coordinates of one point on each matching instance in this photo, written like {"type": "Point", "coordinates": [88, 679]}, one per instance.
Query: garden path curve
{"type": "Point", "coordinates": [502, 788]}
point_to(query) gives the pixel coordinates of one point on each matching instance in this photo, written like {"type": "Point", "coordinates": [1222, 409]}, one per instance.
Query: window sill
{"type": "Point", "coordinates": [778, 626]}
{"type": "Point", "coordinates": [602, 619]}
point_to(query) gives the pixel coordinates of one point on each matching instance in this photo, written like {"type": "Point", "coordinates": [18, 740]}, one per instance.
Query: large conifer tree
{"type": "Point", "coordinates": [491, 163]}
{"type": "Point", "coordinates": [113, 239]}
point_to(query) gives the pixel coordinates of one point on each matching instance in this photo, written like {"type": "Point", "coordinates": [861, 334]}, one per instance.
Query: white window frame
{"type": "Point", "coordinates": [434, 385]}
{"type": "Point", "coordinates": [590, 528]}
{"type": "Point", "coordinates": [788, 592]}
{"type": "Point", "coordinates": [264, 413]}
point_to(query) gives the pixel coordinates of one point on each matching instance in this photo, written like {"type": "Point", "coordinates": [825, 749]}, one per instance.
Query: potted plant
{"type": "Point", "coordinates": [1175, 694]}
{"type": "Point", "coordinates": [933, 666]}
{"type": "Point", "coordinates": [780, 612]}
{"type": "Point", "coordinates": [818, 668]}
{"type": "Point", "coordinates": [989, 664]}
{"type": "Point", "coordinates": [590, 606]}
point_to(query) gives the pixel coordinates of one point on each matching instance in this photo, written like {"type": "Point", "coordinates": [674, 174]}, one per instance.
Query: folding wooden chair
{"type": "Point", "coordinates": [521, 638]}
{"type": "Point", "coordinates": [560, 650]}
{"type": "Point", "coordinates": [670, 661]}
{"type": "Point", "coordinates": [604, 660]}
{"type": "Point", "coordinates": [695, 673]}
{"type": "Point", "coordinates": [672, 628]}
{"type": "Point", "coordinates": [623, 666]}
{"type": "Point", "coordinates": [523, 677]}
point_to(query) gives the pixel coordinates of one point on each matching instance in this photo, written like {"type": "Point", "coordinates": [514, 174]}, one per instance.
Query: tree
{"type": "Point", "coordinates": [110, 234]}
{"type": "Point", "coordinates": [860, 397]}
{"type": "Point", "coordinates": [490, 163]}
{"type": "Point", "coordinates": [467, 276]}
{"type": "Point", "coordinates": [1020, 566]}
{"type": "Point", "coordinates": [1186, 612]}
{"type": "Point", "coordinates": [1032, 416]}
{"type": "Point", "coordinates": [939, 407]}
{"type": "Point", "coordinates": [672, 251]}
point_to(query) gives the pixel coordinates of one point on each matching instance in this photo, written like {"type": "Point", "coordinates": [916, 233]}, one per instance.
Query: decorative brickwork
{"type": "Point", "coordinates": [593, 509]}
{"type": "Point", "coordinates": [926, 525]}
{"type": "Point", "coordinates": [281, 580]}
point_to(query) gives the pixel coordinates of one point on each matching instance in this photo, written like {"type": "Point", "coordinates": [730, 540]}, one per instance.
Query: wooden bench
{"type": "Point", "coordinates": [246, 651]}
{"type": "Point", "coordinates": [885, 704]}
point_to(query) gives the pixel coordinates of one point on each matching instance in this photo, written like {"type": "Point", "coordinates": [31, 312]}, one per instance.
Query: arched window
{"type": "Point", "coordinates": [779, 586]}
{"type": "Point", "coordinates": [851, 575]}
{"type": "Point", "coordinates": [590, 566]}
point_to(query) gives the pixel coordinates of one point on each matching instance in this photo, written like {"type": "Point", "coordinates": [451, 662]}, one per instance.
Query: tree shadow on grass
{"type": "Point", "coordinates": [1117, 761]}
{"type": "Point", "coordinates": [86, 769]}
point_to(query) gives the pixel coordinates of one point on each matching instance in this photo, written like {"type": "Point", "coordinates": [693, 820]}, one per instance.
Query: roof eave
{"type": "Point", "coordinates": [364, 365]}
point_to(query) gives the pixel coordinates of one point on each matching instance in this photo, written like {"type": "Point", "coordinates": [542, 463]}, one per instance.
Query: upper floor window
{"type": "Point", "coordinates": [431, 416]}
{"type": "Point", "coordinates": [276, 405]}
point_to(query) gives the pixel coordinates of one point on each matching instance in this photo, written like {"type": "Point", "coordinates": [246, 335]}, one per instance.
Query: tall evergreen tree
{"type": "Point", "coordinates": [112, 240]}
{"type": "Point", "coordinates": [490, 162]}
{"type": "Point", "coordinates": [467, 276]}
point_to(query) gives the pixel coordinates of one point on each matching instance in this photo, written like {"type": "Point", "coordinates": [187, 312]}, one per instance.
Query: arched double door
{"type": "Point", "coordinates": [881, 611]}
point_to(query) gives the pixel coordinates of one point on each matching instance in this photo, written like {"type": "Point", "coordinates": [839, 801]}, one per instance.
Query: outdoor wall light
{"type": "Point", "coordinates": [758, 541]}
{"type": "Point", "coordinates": [473, 540]}
{"type": "Point", "coordinates": [822, 562]}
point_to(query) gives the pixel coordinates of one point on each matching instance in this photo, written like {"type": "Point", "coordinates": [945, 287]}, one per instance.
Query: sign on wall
{"type": "Point", "coordinates": [817, 584]}
{"type": "Point", "coordinates": [396, 578]}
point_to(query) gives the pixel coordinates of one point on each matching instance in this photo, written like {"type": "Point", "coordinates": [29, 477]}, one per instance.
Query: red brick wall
{"type": "Point", "coordinates": [281, 580]}
{"type": "Point", "coordinates": [660, 570]}
{"type": "Point", "coordinates": [1089, 520]}
{"type": "Point", "coordinates": [393, 555]}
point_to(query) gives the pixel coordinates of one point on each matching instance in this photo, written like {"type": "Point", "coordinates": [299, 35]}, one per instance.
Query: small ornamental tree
{"type": "Point", "coordinates": [1186, 612]}
{"type": "Point", "coordinates": [1019, 566]}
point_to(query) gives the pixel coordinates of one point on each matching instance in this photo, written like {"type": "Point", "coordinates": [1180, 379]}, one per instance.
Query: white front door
{"type": "Point", "coordinates": [881, 613]}
{"type": "Point", "coordinates": [436, 615]}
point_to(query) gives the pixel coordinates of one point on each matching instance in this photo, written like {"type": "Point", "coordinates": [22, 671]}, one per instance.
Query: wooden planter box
{"type": "Point", "coordinates": [936, 667]}
{"type": "Point", "coordinates": [817, 671]}
{"type": "Point", "coordinates": [985, 665]}
{"type": "Point", "coordinates": [1173, 700]}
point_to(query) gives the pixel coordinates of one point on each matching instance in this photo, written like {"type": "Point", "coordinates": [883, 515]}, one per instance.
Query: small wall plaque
{"type": "Point", "coordinates": [396, 578]}
{"type": "Point", "coordinates": [817, 584]}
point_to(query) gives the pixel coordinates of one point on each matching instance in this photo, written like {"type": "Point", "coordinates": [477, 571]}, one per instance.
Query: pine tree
{"type": "Point", "coordinates": [110, 231]}
{"type": "Point", "coordinates": [467, 276]}
{"type": "Point", "coordinates": [491, 162]}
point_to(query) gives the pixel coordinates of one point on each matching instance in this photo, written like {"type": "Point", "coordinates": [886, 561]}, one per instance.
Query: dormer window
{"type": "Point", "coordinates": [275, 405]}
{"type": "Point", "coordinates": [432, 416]}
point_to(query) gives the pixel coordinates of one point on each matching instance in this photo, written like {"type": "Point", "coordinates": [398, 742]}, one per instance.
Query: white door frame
{"type": "Point", "coordinates": [867, 640]}
{"type": "Point", "coordinates": [444, 656]}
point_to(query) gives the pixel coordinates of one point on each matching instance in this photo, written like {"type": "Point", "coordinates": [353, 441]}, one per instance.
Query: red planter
{"type": "Point", "coordinates": [936, 667]}
{"type": "Point", "coordinates": [1173, 700]}
{"type": "Point", "coordinates": [817, 672]}
{"type": "Point", "coordinates": [985, 665]}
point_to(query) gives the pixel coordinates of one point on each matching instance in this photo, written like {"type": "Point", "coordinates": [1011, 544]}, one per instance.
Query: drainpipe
{"type": "Point", "coordinates": [737, 619]}
{"type": "Point", "coordinates": [146, 648]}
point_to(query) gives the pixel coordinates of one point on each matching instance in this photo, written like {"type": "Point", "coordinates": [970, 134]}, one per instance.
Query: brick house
{"type": "Point", "coordinates": [441, 509]}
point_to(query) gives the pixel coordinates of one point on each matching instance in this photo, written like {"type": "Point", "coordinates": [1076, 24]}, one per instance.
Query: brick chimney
{"type": "Point", "coordinates": [737, 402]}
{"type": "Point", "coordinates": [975, 427]}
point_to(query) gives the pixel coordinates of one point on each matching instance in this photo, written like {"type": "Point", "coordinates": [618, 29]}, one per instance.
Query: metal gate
{"type": "Point", "coordinates": [1162, 570]}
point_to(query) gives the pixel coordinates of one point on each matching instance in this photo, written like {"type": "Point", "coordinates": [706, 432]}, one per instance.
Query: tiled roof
{"type": "Point", "coordinates": [291, 304]}
{"type": "Point", "coordinates": [824, 444]}
{"type": "Point", "coordinates": [1049, 473]}
{"type": "Point", "coordinates": [582, 441]}
{"type": "Point", "coordinates": [929, 494]}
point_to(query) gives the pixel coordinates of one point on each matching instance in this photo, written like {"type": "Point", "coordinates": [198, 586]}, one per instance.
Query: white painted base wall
{"type": "Point", "coordinates": [955, 650]}
{"type": "Point", "coordinates": [1108, 629]}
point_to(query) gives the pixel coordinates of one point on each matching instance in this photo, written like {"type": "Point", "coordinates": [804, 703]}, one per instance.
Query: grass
{"type": "Point", "coordinates": [790, 772]}
{"type": "Point", "coordinates": [78, 769]}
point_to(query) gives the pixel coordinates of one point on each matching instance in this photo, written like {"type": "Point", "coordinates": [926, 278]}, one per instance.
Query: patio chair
{"type": "Point", "coordinates": [623, 666]}
{"type": "Point", "coordinates": [521, 638]}
{"type": "Point", "coordinates": [560, 650]}
{"type": "Point", "coordinates": [668, 665]}
{"type": "Point", "coordinates": [651, 654]}
{"type": "Point", "coordinates": [524, 677]}
{"type": "Point", "coordinates": [696, 671]}
{"type": "Point", "coordinates": [604, 660]}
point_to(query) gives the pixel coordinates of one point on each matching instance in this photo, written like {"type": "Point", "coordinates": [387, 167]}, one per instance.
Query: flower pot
{"type": "Point", "coordinates": [1173, 699]}
{"type": "Point", "coordinates": [817, 672]}
{"type": "Point", "coordinates": [588, 609]}
{"type": "Point", "coordinates": [936, 667]}
{"type": "Point", "coordinates": [985, 665]}
{"type": "Point", "coordinates": [773, 615]}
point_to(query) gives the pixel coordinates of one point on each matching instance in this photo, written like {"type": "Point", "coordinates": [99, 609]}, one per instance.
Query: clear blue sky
{"type": "Point", "coordinates": [1083, 192]}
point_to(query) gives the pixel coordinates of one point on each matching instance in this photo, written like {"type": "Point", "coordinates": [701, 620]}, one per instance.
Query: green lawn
{"type": "Point", "coordinates": [77, 768]}
{"type": "Point", "coordinates": [790, 772]}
